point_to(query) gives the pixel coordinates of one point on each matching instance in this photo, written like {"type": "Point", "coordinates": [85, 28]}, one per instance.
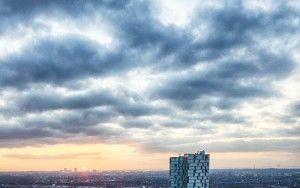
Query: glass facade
{"type": "Point", "coordinates": [189, 171]}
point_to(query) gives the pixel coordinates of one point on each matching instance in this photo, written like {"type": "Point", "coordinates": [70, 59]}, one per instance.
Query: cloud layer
{"type": "Point", "coordinates": [122, 72]}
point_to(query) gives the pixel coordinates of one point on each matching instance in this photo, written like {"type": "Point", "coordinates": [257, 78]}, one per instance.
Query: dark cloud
{"type": "Point", "coordinates": [9, 132]}
{"type": "Point", "coordinates": [139, 109]}
{"type": "Point", "coordinates": [256, 145]}
{"type": "Point", "coordinates": [139, 123]}
{"type": "Point", "coordinates": [234, 26]}
{"type": "Point", "coordinates": [29, 7]}
{"type": "Point", "coordinates": [57, 61]}
{"type": "Point", "coordinates": [141, 31]}
{"type": "Point", "coordinates": [14, 13]}
{"type": "Point", "coordinates": [296, 109]}
{"type": "Point", "coordinates": [291, 114]}
{"type": "Point", "coordinates": [293, 131]}
{"type": "Point", "coordinates": [288, 119]}
{"type": "Point", "coordinates": [175, 124]}
{"type": "Point", "coordinates": [225, 118]}
{"type": "Point", "coordinates": [205, 118]}
{"type": "Point", "coordinates": [60, 127]}
{"type": "Point", "coordinates": [117, 104]}
{"type": "Point", "coordinates": [39, 102]}
{"type": "Point", "coordinates": [240, 145]}
{"type": "Point", "coordinates": [193, 87]}
{"type": "Point", "coordinates": [266, 64]}
{"type": "Point", "coordinates": [228, 80]}
{"type": "Point", "coordinates": [50, 131]}
{"type": "Point", "coordinates": [76, 122]}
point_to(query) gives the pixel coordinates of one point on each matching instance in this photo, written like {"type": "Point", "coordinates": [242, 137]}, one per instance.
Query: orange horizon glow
{"type": "Point", "coordinates": [103, 157]}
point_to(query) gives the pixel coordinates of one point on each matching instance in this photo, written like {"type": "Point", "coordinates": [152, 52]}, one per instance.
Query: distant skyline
{"type": "Point", "coordinates": [121, 84]}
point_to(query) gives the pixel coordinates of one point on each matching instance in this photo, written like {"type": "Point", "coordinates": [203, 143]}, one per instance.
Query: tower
{"type": "Point", "coordinates": [190, 171]}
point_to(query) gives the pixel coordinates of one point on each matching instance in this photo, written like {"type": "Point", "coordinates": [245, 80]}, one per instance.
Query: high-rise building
{"type": "Point", "coordinates": [190, 171]}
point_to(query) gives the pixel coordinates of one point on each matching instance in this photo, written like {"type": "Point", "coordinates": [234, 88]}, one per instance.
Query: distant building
{"type": "Point", "coordinates": [190, 171]}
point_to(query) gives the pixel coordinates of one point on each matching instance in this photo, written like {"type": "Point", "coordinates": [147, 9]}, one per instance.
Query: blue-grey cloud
{"type": "Point", "coordinates": [19, 133]}
{"type": "Point", "coordinates": [234, 25]}
{"type": "Point", "coordinates": [226, 80]}
{"type": "Point", "coordinates": [240, 145]}
{"type": "Point", "coordinates": [139, 123]}
{"type": "Point", "coordinates": [117, 104]}
{"type": "Point", "coordinates": [199, 83]}
{"type": "Point", "coordinates": [296, 109]}
{"type": "Point", "coordinates": [43, 102]}
{"type": "Point", "coordinates": [57, 61]}
{"type": "Point", "coordinates": [291, 115]}
{"type": "Point", "coordinates": [17, 12]}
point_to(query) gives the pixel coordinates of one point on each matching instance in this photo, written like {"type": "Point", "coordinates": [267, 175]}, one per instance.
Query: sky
{"type": "Point", "coordinates": [114, 85]}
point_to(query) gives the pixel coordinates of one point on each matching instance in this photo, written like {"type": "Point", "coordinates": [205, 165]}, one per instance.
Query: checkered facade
{"type": "Point", "coordinates": [190, 171]}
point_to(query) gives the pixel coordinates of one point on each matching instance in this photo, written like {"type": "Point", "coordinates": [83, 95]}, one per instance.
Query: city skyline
{"type": "Point", "coordinates": [122, 85]}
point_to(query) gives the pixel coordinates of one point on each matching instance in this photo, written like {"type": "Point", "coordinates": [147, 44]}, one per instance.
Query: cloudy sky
{"type": "Point", "coordinates": [126, 84]}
